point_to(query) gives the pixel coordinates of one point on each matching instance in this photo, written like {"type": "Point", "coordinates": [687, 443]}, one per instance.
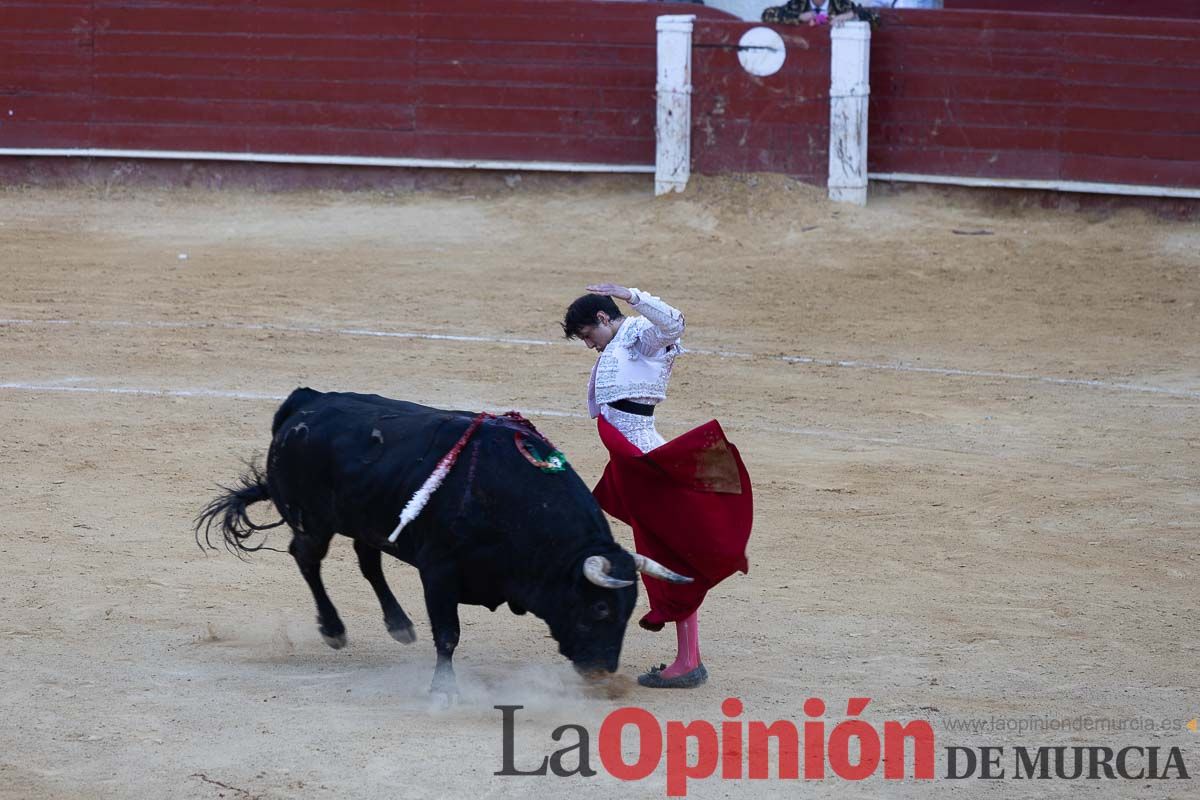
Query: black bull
{"type": "Point", "coordinates": [498, 530]}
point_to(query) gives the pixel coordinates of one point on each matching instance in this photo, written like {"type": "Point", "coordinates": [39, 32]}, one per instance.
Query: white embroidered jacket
{"type": "Point", "coordinates": [636, 364]}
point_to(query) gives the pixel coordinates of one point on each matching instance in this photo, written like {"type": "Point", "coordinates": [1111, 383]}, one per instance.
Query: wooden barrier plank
{"type": "Point", "coordinates": [905, 21]}
{"type": "Point", "coordinates": [222, 45]}
{"type": "Point", "coordinates": [550, 55]}
{"type": "Point", "coordinates": [1132, 170]}
{"type": "Point", "coordinates": [45, 134]}
{"type": "Point", "coordinates": [402, 92]}
{"type": "Point", "coordinates": [534, 29]}
{"type": "Point", "coordinates": [44, 41]}
{"type": "Point", "coordinates": [1006, 42]}
{"type": "Point", "coordinates": [1132, 97]}
{"type": "Point", "coordinates": [936, 112]}
{"type": "Point", "coordinates": [1159, 8]}
{"type": "Point", "coordinates": [588, 122]}
{"type": "Point", "coordinates": [886, 133]}
{"type": "Point", "coordinates": [526, 147]}
{"type": "Point", "coordinates": [1129, 51]}
{"type": "Point", "coordinates": [73, 59]}
{"type": "Point", "coordinates": [31, 80]}
{"type": "Point", "coordinates": [799, 116]}
{"type": "Point", "coordinates": [708, 32]}
{"type": "Point", "coordinates": [147, 136]}
{"type": "Point", "coordinates": [255, 112]}
{"type": "Point", "coordinates": [546, 97]}
{"type": "Point", "coordinates": [322, 6]}
{"type": "Point", "coordinates": [1023, 164]}
{"type": "Point", "coordinates": [235, 20]}
{"type": "Point", "coordinates": [1135, 144]}
{"type": "Point", "coordinates": [1124, 120]}
{"type": "Point", "coordinates": [1161, 81]}
{"type": "Point", "coordinates": [813, 66]}
{"type": "Point", "coordinates": [583, 9]}
{"type": "Point", "coordinates": [39, 18]}
{"type": "Point", "coordinates": [977, 88]}
{"type": "Point", "coordinates": [958, 61]}
{"type": "Point", "coordinates": [78, 5]}
{"type": "Point", "coordinates": [618, 77]}
{"type": "Point", "coordinates": [355, 70]}
{"type": "Point", "coordinates": [63, 108]}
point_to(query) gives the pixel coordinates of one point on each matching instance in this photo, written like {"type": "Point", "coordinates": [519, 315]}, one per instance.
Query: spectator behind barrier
{"type": "Point", "coordinates": [818, 12]}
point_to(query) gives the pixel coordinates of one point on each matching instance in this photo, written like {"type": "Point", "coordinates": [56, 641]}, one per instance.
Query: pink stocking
{"type": "Point", "coordinates": [687, 632]}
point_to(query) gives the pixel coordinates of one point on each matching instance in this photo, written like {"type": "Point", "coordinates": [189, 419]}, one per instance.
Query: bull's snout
{"type": "Point", "coordinates": [596, 669]}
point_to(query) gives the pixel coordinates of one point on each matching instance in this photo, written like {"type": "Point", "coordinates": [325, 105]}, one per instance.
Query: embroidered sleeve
{"type": "Point", "coordinates": [666, 323]}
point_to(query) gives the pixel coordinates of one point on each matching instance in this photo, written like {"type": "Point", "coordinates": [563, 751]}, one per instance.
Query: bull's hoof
{"type": "Point", "coordinates": [443, 692]}
{"type": "Point", "coordinates": [404, 634]}
{"type": "Point", "coordinates": [336, 641]}
{"type": "Point", "coordinates": [440, 699]}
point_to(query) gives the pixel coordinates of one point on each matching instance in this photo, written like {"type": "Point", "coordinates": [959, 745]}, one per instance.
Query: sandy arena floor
{"type": "Point", "coordinates": [975, 460]}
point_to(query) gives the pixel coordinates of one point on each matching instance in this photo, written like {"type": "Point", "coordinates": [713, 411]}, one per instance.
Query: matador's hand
{"type": "Point", "coordinates": [612, 290]}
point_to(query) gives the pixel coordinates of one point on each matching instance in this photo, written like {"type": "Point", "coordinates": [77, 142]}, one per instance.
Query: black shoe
{"type": "Point", "coordinates": [688, 680]}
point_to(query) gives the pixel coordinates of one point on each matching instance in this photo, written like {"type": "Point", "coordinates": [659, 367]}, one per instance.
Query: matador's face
{"type": "Point", "coordinates": [597, 336]}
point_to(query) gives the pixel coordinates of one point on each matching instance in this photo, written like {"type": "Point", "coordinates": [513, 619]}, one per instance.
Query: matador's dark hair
{"type": "Point", "coordinates": [583, 311]}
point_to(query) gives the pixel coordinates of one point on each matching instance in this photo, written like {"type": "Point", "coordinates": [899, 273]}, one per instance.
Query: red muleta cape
{"type": "Point", "coordinates": [690, 506]}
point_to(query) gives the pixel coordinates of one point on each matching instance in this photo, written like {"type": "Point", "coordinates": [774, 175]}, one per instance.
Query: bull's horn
{"type": "Point", "coordinates": [595, 569]}
{"type": "Point", "coordinates": [657, 570]}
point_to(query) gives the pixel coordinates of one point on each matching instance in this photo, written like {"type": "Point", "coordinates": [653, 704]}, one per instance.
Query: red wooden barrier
{"type": "Point", "coordinates": [508, 79]}
{"type": "Point", "coordinates": [743, 123]}
{"type": "Point", "coordinates": [958, 93]}
{"type": "Point", "coordinates": [1180, 9]}
{"type": "Point", "coordinates": [1006, 95]}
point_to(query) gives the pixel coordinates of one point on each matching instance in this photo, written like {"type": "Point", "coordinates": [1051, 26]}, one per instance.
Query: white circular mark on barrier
{"type": "Point", "coordinates": [761, 51]}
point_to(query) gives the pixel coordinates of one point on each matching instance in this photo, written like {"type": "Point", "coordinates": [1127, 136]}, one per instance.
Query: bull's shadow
{"type": "Point", "coordinates": [503, 526]}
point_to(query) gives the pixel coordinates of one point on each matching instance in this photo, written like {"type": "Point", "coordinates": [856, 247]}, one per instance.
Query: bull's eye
{"type": "Point", "coordinates": [600, 610]}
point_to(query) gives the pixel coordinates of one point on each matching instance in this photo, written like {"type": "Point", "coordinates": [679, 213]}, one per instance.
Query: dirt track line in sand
{"type": "Point", "coordinates": [787, 359]}
{"type": "Point", "coordinates": [70, 386]}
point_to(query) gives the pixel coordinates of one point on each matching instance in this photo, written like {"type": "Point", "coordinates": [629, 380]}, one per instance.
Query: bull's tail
{"type": "Point", "coordinates": [228, 514]}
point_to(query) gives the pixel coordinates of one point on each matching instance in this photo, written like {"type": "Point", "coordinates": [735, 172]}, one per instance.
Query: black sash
{"type": "Point", "coordinates": [630, 407]}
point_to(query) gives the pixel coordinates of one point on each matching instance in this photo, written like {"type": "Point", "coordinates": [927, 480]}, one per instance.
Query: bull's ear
{"type": "Point", "coordinates": [649, 566]}
{"type": "Point", "coordinates": [595, 569]}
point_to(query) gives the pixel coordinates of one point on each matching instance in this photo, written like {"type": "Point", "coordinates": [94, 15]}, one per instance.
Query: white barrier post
{"type": "Point", "coordinates": [673, 130]}
{"type": "Point", "coordinates": [849, 89]}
